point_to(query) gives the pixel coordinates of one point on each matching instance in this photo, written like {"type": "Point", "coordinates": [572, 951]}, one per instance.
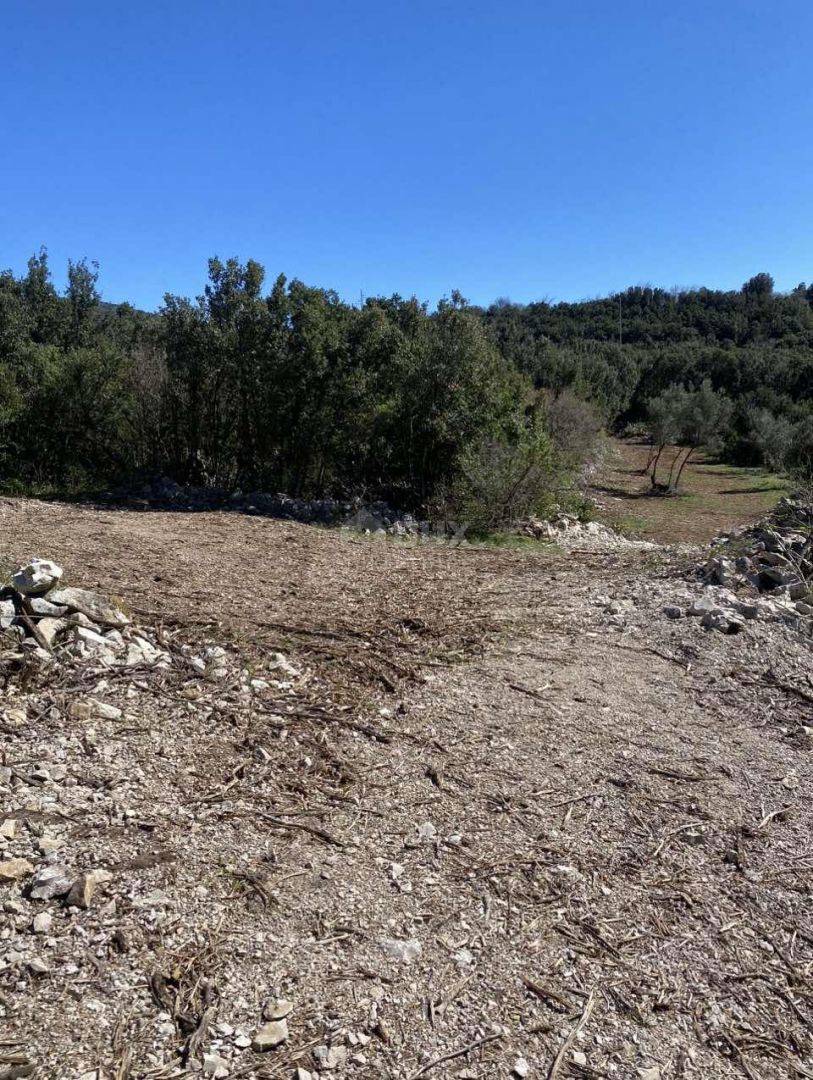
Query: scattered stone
{"type": "Point", "coordinates": [42, 922]}
{"type": "Point", "coordinates": [277, 1009]}
{"type": "Point", "coordinates": [36, 652]}
{"type": "Point", "coordinates": [7, 614]}
{"type": "Point", "coordinates": [104, 711]}
{"type": "Point", "coordinates": [216, 1066]}
{"type": "Point", "coordinates": [748, 611]}
{"type": "Point", "coordinates": [36, 577]}
{"type": "Point", "coordinates": [37, 966]}
{"type": "Point", "coordinates": [405, 951]}
{"type": "Point", "coordinates": [579, 1058]}
{"type": "Point", "coordinates": [704, 604]}
{"type": "Point", "coordinates": [15, 869]}
{"type": "Point", "coordinates": [97, 608]}
{"type": "Point", "coordinates": [50, 628]}
{"type": "Point", "coordinates": [87, 640]}
{"type": "Point", "coordinates": [83, 890]}
{"type": "Point", "coordinates": [140, 651]}
{"type": "Point", "coordinates": [521, 1068]}
{"type": "Point", "coordinates": [725, 622]}
{"type": "Point", "coordinates": [8, 829]}
{"type": "Point", "coordinates": [115, 640]}
{"type": "Point", "coordinates": [76, 618]}
{"type": "Point", "coordinates": [41, 606]}
{"type": "Point", "coordinates": [270, 1035]}
{"type": "Point", "coordinates": [281, 664]}
{"type": "Point", "coordinates": [427, 831]}
{"type": "Point", "coordinates": [50, 881]}
{"type": "Point", "coordinates": [153, 899]}
{"type": "Point", "coordinates": [673, 612]}
{"type": "Point", "coordinates": [330, 1057]}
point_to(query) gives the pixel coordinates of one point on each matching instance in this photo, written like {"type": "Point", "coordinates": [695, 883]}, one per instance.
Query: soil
{"type": "Point", "coordinates": [507, 815]}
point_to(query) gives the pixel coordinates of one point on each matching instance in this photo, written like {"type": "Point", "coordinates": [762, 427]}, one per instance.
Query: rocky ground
{"type": "Point", "coordinates": [383, 808]}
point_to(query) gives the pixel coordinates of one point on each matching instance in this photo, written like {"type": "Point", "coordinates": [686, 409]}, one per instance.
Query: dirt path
{"type": "Point", "coordinates": [508, 815]}
{"type": "Point", "coordinates": [615, 809]}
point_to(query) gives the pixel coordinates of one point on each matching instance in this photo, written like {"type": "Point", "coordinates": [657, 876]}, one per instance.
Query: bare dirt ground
{"type": "Point", "coordinates": [713, 497]}
{"type": "Point", "coordinates": [508, 820]}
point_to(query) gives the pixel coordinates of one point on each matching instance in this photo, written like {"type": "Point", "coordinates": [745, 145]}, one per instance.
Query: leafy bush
{"type": "Point", "coordinates": [499, 481]}
{"type": "Point", "coordinates": [575, 431]}
{"type": "Point", "coordinates": [773, 437]}
{"type": "Point", "coordinates": [799, 456]}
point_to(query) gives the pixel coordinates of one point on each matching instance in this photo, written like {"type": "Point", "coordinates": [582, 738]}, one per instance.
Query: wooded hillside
{"type": "Point", "coordinates": [287, 387]}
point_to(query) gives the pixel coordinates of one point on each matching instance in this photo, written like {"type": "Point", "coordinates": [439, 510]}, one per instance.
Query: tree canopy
{"type": "Point", "coordinates": [283, 386]}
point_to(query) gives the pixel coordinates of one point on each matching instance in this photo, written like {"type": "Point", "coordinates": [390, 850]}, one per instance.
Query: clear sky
{"type": "Point", "coordinates": [526, 148]}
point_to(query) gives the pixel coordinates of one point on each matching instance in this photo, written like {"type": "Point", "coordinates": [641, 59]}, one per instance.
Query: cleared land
{"type": "Point", "coordinates": [587, 826]}
{"type": "Point", "coordinates": [713, 497]}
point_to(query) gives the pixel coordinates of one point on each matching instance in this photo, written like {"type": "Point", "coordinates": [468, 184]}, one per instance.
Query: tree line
{"type": "Point", "coordinates": [753, 346]}
{"type": "Point", "coordinates": [282, 386]}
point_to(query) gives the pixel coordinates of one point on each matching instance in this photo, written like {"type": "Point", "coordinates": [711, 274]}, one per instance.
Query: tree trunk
{"type": "Point", "coordinates": [683, 466]}
{"type": "Point", "coordinates": [655, 464]}
{"type": "Point", "coordinates": [675, 460]}
{"type": "Point", "coordinates": [650, 458]}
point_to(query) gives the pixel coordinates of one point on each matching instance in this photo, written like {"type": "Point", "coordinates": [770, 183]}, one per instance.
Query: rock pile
{"type": "Point", "coordinates": [163, 493]}
{"type": "Point", "coordinates": [113, 780]}
{"type": "Point", "coordinates": [45, 621]}
{"type": "Point", "coordinates": [764, 571]}
{"type": "Point", "coordinates": [568, 531]}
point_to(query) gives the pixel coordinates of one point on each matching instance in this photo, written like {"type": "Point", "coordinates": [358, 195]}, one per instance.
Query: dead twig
{"type": "Point", "coordinates": [538, 695]}
{"type": "Point", "coordinates": [657, 652]}
{"type": "Point", "coordinates": [545, 993]}
{"type": "Point", "coordinates": [778, 815]}
{"type": "Point", "coordinates": [558, 1061]}
{"type": "Point", "coordinates": [278, 823]}
{"type": "Point", "coordinates": [455, 1054]}
{"type": "Point", "coordinates": [25, 613]}
{"type": "Point", "coordinates": [789, 688]}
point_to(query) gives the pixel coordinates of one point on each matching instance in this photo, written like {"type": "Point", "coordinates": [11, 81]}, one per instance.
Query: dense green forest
{"type": "Point", "coordinates": [285, 387]}
{"type": "Point", "coordinates": [754, 345]}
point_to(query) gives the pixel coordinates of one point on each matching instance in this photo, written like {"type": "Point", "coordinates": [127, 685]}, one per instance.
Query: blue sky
{"type": "Point", "coordinates": [522, 149]}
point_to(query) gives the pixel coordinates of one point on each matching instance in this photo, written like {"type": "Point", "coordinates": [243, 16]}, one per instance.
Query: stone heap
{"type": "Point", "coordinates": [764, 571]}
{"type": "Point", "coordinates": [568, 531]}
{"type": "Point", "coordinates": [42, 618]}
{"type": "Point", "coordinates": [163, 493]}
